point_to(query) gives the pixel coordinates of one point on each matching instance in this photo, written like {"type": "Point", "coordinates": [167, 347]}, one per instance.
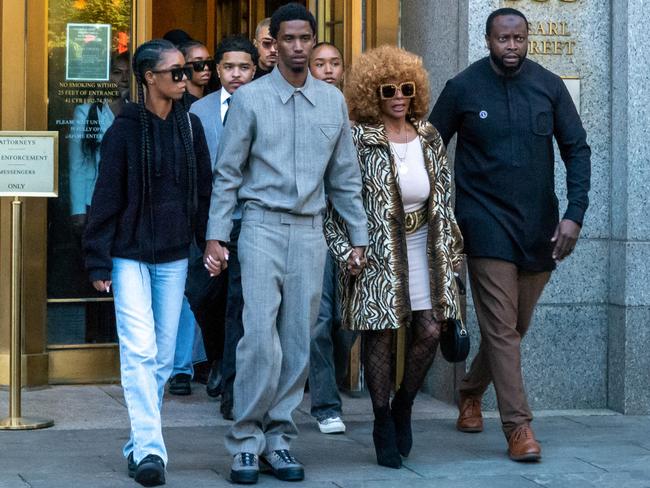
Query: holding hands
{"type": "Point", "coordinates": [356, 260]}
{"type": "Point", "coordinates": [103, 285]}
{"type": "Point", "coordinates": [215, 258]}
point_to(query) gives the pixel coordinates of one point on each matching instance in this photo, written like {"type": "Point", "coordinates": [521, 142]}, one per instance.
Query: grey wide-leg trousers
{"type": "Point", "coordinates": [282, 259]}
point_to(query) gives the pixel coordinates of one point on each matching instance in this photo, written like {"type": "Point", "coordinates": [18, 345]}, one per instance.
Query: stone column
{"type": "Point", "coordinates": [629, 284]}
{"type": "Point", "coordinates": [437, 31]}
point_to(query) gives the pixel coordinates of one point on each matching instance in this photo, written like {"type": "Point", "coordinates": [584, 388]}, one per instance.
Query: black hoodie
{"type": "Point", "coordinates": [123, 222]}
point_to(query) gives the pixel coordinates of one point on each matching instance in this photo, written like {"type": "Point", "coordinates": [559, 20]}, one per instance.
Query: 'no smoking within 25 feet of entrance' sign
{"type": "Point", "coordinates": [29, 164]}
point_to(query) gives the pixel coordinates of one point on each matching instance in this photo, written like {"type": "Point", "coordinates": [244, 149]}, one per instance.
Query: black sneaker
{"type": "Point", "coordinates": [132, 467]}
{"type": "Point", "coordinates": [285, 467]}
{"type": "Point", "coordinates": [151, 471]}
{"type": "Point", "coordinates": [179, 384]}
{"type": "Point", "coordinates": [245, 468]}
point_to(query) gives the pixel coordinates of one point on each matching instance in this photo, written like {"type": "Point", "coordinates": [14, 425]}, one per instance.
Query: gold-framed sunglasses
{"type": "Point", "coordinates": [177, 73]}
{"type": "Point", "coordinates": [389, 90]}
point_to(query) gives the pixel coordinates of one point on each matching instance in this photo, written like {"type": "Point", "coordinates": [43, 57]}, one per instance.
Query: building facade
{"type": "Point", "coordinates": [588, 344]}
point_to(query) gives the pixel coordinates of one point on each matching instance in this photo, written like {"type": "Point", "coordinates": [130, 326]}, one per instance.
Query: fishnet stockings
{"type": "Point", "coordinates": [425, 335]}
{"type": "Point", "coordinates": [378, 355]}
{"type": "Point", "coordinates": [377, 365]}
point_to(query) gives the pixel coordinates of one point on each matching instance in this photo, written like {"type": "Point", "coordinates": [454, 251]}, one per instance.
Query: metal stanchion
{"type": "Point", "coordinates": [15, 420]}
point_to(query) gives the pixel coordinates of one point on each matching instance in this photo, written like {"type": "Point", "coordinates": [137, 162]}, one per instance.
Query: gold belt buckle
{"type": "Point", "coordinates": [414, 220]}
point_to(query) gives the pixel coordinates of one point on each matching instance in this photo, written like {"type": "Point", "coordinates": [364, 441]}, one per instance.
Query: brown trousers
{"type": "Point", "coordinates": [504, 297]}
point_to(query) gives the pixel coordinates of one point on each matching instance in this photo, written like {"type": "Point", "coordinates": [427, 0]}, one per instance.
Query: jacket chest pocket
{"type": "Point", "coordinates": [325, 137]}
{"type": "Point", "coordinates": [542, 123]}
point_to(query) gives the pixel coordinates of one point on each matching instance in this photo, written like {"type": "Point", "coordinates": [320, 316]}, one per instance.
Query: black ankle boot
{"type": "Point", "coordinates": [401, 413]}
{"type": "Point", "coordinates": [383, 435]}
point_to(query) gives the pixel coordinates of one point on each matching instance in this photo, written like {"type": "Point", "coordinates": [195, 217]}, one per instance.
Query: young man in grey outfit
{"type": "Point", "coordinates": [286, 143]}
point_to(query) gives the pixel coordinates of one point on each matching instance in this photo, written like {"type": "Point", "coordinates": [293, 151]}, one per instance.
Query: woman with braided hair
{"type": "Point", "coordinates": [151, 197]}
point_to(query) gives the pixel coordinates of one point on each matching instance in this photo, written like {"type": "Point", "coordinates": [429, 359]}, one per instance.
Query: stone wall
{"type": "Point", "coordinates": [592, 322]}
{"type": "Point", "coordinates": [629, 290]}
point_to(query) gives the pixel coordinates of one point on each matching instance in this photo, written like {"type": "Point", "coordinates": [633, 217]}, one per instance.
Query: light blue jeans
{"type": "Point", "coordinates": [148, 300]}
{"type": "Point", "coordinates": [330, 346]}
{"type": "Point", "coordinates": [189, 343]}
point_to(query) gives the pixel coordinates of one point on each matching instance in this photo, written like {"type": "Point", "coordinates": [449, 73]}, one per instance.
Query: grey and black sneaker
{"type": "Point", "coordinates": [132, 466]}
{"type": "Point", "coordinates": [151, 471]}
{"type": "Point", "coordinates": [285, 467]}
{"type": "Point", "coordinates": [245, 468]}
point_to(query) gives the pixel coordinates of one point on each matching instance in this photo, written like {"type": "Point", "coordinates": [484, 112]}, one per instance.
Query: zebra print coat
{"type": "Point", "coordinates": [379, 297]}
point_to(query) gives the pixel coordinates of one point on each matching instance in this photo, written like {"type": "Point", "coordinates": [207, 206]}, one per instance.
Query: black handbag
{"type": "Point", "coordinates": [454, 341]}
{"type": "Point", "coordinates": [454, 338]}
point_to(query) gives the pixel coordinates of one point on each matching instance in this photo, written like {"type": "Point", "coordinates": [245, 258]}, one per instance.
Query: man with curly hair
{"type": "Point", "coordinates": [506, 110]}
{"type": "Point", "coordinates": [287, 142]}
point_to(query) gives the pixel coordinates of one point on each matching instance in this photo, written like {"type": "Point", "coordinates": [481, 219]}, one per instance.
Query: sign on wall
{"type": "Point", "coordinates": [553, 39]}
{"type": "Point", "coordinates": [88, 52]}
{"type": "Point", "coordinates": [551, 33]}
{"type": "Point", "coordinates": [573, 85]}
{"type": "Point", "coordinates": [29, 164]}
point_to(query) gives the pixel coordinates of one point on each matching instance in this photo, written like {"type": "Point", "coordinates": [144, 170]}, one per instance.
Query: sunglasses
{"type": "Point", "coordinates": [177, 73]}
{"type": "Point", "coordinates": [199, 66]}
{"type": "Point", "coordinates": [267, 44]}
{"type": "Point", "coordinates": [389, 90]}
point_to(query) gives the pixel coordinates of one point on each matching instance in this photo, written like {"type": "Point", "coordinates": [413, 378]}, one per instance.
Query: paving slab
{"type": "Point", "coordinates": [499, 466]}
{"type": "Point", "coordinates": [12, 481]}
{"type": "Point", "coordinates": [71, 407]}
{"type": "Point", "coordinates": [593, 480]}
{"type": "Point", "coordinates": [467, 482]}
{"type": "Point", "coordinates": [581, 449]}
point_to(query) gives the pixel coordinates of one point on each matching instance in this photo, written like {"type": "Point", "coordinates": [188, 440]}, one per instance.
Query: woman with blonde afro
{"type": "Point", "coordinates": [415, 244]}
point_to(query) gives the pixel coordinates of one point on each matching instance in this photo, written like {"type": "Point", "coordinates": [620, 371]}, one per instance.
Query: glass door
{"type": "Point", "coordinates": [89, 45]}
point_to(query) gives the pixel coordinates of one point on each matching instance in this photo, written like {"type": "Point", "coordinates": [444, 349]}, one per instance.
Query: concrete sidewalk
{"type": "Point", "coordinates": [580, 448]}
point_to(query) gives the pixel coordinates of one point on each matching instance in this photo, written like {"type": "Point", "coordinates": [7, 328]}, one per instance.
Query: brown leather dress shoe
{"type": "Point", "coordinates": [522, 445]}
{"type": "Point", "coordinates": [469, 418]}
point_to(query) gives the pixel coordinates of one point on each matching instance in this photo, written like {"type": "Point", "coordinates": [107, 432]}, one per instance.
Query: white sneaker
{"type": "Point", "coordinates": [331, 425]}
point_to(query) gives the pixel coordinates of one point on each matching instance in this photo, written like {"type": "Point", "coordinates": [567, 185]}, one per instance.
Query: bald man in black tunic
{"type": "Point", "coordinates": [506, 110]}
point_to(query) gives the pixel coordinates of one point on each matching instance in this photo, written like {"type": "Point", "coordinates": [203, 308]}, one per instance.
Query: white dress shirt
{"type": "Point", "coordinates": [224, 103]}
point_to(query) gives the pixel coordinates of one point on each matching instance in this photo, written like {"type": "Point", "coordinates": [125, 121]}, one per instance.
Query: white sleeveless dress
{"type": "Point", "coordinates": [414, 185]}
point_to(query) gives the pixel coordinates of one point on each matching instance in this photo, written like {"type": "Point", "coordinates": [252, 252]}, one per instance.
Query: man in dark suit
{"type": "Point", "coordinates": [236, 59]}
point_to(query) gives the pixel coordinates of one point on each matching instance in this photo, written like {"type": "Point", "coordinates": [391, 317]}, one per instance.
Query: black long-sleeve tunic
{"type": "Point", "coordinates": [128, 221]}
{"type": "Point", "coordinates": [506, 204]}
